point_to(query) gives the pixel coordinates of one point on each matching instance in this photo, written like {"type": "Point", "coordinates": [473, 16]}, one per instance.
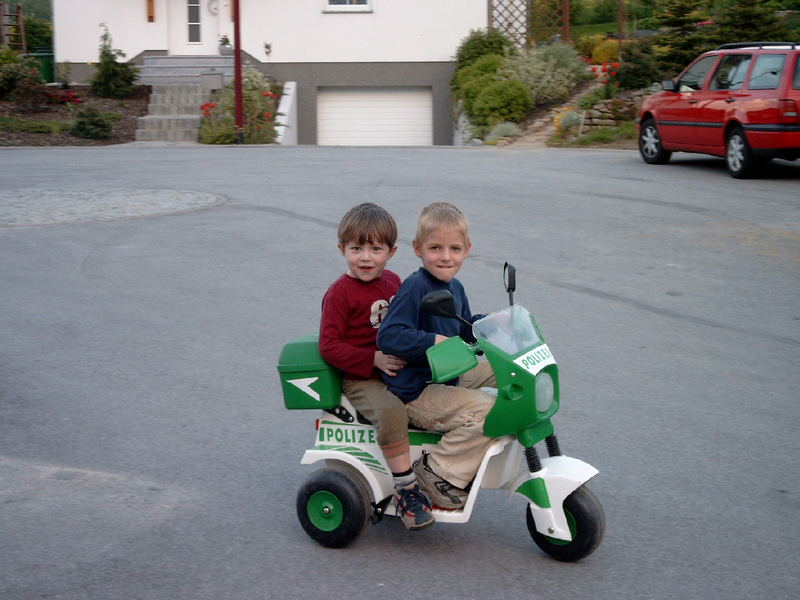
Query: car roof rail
{"type": "Point", "coordinates": [792, 45]}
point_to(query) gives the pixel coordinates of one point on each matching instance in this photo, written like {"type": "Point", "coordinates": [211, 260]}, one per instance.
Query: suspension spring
{"type": "Point", "coordinates": [553, 448]}
{"type": "Point", "coordinates": [532, 458]}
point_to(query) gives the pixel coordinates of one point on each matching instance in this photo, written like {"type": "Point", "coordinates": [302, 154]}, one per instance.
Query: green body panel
{"type": "Point", "coordinates": [530, 436]}
{"type": "Point", "coordinates": [316, 383]}
{"type": "Point", "coordinates": [536, 491]}
{"type": "Point", "coordinates": [449, 359]}
{"type": "Point", "coordinates": [515, 411]}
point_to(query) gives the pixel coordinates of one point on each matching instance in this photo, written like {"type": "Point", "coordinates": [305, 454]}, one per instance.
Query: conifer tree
{"type": "Point", "coordinates": [685, 38]}
{"type": "Point", "coordinates": [750, 21]}
{"type": "Point", "coordinates": [112, 79]}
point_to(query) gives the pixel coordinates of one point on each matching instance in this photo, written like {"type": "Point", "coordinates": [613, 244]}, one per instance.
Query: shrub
{"type": "Point", "coordinates": [29, 93]}
{"type": "Point", "coordinates": [638, 67]}
{"type": "Point", "coordinates": [605, 52]}
{"type": "Point", "coordinates": [14, 124]}
{"type": "Point", "coordinates": [112, 79]}
{"type": "Point", "coordinates": [566, 119]}
{"type": "Point", "coordinates": [479, 43]}
{"type": "Point", "coordinates": [14, 69]}
{"type": "Point", "coordinates": [473, 87]}
{"type": "Point", "coordinates": [488, 64]}
{"type": "Point", "coordinates": [503, 130]}
{"type": "Point", "coordinates": [259, 103]}
{"type": "Point", "coordinates": [549, 73]}
{"type": "Point", "coordinates": [587, 43]}
{"type": "Point", "coordinates": [589, 100]}
{"type": "Point", "coordinates": [90, 124]}
{"type": "Point", "coordinates": [507, 100]}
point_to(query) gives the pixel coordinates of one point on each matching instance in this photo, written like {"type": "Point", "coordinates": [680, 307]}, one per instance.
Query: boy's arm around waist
{"type": "Point", "coordinates": [400, 334]}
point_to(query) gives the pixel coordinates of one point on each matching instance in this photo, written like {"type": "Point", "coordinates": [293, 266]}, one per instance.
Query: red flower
{"type": "Point", "coordinates": [604, 81]}
{"type": "Point", "coordinates": [613, 73]}
{"type": "Point", "coordinates": [615, 65]}
{"type": "Point", "coordinates": [267, 115]}
{"type": "Point", "coordinates": [605, 68]}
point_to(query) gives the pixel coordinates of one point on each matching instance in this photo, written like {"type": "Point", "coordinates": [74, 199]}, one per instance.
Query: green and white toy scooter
{"type": "Point", "coordinates": [355, 486]}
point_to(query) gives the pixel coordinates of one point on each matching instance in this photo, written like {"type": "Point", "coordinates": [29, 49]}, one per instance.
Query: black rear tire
{"type": "Point", "coordinates": [738, 155]}
{"type": "Point", "coordinates": [650, 147]}
{"type": "Point", "coordinates": [333, 507]}
{"type": "Point", "coordinates": [587, 523]}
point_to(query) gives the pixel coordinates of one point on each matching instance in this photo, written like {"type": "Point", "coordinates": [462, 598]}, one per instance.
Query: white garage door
{"type": "Point", "coordinates": [374, 117]}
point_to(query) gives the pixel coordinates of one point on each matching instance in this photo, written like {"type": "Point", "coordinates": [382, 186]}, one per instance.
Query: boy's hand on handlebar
{"type": "Point", "coordinates": [387, 363]}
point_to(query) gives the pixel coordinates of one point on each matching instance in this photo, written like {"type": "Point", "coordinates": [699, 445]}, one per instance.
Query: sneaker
{"type": "Point", "coordinates": [414, 508]}
{"type": "Point", "coordinates": [442, 493]}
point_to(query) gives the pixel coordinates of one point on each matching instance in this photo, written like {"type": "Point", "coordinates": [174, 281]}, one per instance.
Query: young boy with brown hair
{"type": "Point", "coordinates": [352, 309]}
{"type": "Point", "coordinates": [457, 408]}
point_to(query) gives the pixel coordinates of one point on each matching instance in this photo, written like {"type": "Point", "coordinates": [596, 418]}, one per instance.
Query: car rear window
{"type": "Point", "coordinates": [766, 74]}
{"type": "Point", "coordinates": [796, 84]}
{"type": "Point", "coordinates": [731, 72]}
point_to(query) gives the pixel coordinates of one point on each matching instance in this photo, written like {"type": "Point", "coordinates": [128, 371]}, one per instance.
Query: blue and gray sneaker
{"type": "Point", "coordinates": [413, 508]}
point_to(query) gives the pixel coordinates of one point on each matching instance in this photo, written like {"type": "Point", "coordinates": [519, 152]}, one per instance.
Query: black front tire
{"type": "Point", "coordinates": [587, 522]}
{"type": "Point", "coordinates": [650, 147]}
{"type": "Point", "coordinates": [333, 507]}
{"type": "Point", "coordinates": [738, 155]}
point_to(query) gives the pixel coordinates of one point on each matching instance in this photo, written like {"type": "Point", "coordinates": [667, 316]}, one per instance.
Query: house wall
{"type": "Point", "coordinates": [77, 31]}
{"type": "Point", "coordinates": [298, 30]}
{"type": "Point", "coordinates": [398, 43]}
{"type": "Point", "coordinates": [312, 76]}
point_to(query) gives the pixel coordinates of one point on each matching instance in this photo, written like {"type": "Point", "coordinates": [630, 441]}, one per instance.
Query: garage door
{"type": "Point", "coordinates": [374, 117]}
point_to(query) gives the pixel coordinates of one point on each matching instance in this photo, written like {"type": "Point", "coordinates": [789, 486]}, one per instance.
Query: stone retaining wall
{"type": "Point", "coordinates": [609, 113]}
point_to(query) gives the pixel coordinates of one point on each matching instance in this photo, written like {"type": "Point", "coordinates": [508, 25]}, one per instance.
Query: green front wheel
{"type": "Point", "coordinates": [333, 507]}
{"type": "Point", "coordinates": [587, 523]}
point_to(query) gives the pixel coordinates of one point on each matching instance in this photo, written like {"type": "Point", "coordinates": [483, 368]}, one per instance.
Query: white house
{"type": "Point", "coordinates": [367, 71]}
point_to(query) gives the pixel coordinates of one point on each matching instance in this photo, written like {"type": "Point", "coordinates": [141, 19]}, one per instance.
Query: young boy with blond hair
{"type": "Point", "coordinates": [352, 309]}
{"type": "Point", "coordinates": [457, 408]}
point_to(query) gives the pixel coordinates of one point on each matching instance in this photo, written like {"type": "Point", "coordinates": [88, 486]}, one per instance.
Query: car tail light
{"type": "Point", "coordinates": [787, 111]}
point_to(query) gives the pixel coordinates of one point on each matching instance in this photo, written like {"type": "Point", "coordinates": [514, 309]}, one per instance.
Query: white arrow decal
{"type": "Point", "coordinates": [305, 385]}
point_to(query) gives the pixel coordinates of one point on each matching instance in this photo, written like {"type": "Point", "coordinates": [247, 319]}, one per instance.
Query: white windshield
{"type": "Point", "coordinates": [511, 329]}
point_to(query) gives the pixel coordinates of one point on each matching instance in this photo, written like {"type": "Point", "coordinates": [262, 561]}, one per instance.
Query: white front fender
{"type": "Point", "coordinates": [562, 475]}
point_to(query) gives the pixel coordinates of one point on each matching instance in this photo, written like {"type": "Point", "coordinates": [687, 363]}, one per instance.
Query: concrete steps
{"type": "Point", "coordinates": [173, 113]}
{"type": "Point", "coordinates": [183, 69]}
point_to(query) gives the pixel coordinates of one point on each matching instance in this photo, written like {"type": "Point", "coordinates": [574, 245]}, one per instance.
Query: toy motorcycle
{"type": "Point", "coordinates": [355, 486]}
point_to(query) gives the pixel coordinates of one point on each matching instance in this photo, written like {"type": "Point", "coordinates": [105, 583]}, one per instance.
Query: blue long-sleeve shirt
{"type": "Point", "coordinates": [407, 332]}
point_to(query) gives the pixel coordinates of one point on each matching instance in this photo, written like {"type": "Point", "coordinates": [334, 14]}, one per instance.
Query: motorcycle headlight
{"type": "Point", "coordinates": [544, 391]}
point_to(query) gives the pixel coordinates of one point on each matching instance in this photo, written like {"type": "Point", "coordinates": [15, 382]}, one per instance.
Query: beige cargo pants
{"type": "Point", "coordinates": [459, 412]}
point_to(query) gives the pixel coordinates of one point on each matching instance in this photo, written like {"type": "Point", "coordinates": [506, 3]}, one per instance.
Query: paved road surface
{"type": "Point", "coordinates": [144, 449]}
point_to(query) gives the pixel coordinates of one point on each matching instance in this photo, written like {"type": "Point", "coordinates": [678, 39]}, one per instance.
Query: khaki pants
{"type": "Point", "coordinates": [385, 411]}
{"type": "Point", "coordinates": [458, 411]}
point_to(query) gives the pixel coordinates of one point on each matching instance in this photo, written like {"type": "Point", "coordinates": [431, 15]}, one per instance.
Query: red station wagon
{"type": "Point", "coordinates": [739, 101]}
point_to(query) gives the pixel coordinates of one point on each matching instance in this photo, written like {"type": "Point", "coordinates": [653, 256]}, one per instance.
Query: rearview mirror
{"type": "Point", "coordinates": [668, 85]}
{"type": "Point", "coordinates": [510, 279]}
{"type": "Point", "coordinates": [439, 304]}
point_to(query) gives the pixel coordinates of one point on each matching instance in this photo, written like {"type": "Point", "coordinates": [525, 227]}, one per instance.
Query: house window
{"type": "Point", "coordinates": [347, 6]}
{"type": "Point", "coordinates": [193, 17]}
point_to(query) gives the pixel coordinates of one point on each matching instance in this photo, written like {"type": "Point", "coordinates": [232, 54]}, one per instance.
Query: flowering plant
{"type": "Point", "coordinates": [224, 40]}
{"type": "Point", "coordinates": [68, 97]}
{"type": "Point", "coordinates": [608, 74]}
{"type": "Point", "coordinates": [260, 108]}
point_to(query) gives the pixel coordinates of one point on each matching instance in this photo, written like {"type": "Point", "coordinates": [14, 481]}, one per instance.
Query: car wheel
{"type": "Point", "coordinates": [738, 156]}
{"type": "Point", "coordinates": [650, 146]}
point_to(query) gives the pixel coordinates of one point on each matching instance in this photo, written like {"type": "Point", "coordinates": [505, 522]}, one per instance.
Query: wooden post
{"type": "Point", "coordinates": [237, 74]}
